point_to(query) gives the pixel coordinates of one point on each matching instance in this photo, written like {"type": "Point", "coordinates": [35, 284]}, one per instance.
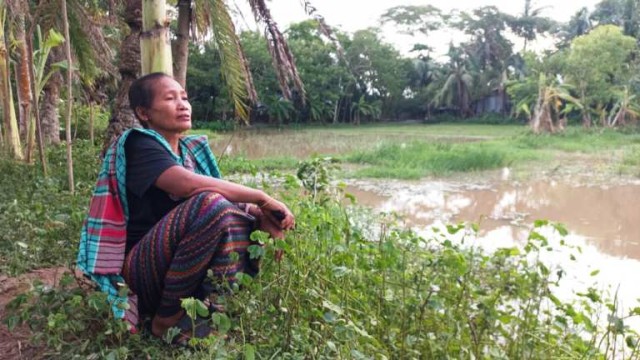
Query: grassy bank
{"type": "Point", "coordinates": [415, 151]}
{"type": "Point", "coordinates": [340, 292]}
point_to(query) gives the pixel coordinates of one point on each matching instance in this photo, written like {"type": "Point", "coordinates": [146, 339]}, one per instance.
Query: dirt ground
{"type": "Point", "coordinates": [15, 345]}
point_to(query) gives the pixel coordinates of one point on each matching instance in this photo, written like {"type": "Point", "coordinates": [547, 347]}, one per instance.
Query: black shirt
{"type": "Point", "coordinates": [146, 160]}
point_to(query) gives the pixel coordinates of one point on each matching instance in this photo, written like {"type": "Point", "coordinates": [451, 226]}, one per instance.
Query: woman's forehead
{"type": "Point", "coordinates": [167, 84]}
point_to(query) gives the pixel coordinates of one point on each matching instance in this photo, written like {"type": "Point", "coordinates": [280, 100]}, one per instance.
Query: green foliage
{"type": "Point", "coordinates": [316, 174]}
{"type": "Point", "coordinates": [485, 119]}
{"type": "Point", "coordinates": [81, 122]}
{"type": "Point", "coordinates": [39, 220]}
{"type": "Point", "coordinates": [240, 164]}
{"type": "Point", "coordinates": [599, 63]}
{"type": "Point", "coordinates": [207, 94]}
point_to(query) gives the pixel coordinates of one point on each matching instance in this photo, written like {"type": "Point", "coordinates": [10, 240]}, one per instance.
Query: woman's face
{"type": "Point", "coordinates": [170, 110]}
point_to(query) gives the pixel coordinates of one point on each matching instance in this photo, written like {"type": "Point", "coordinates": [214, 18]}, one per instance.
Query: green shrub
{"type": "Point", "coordinates": [80, 123]}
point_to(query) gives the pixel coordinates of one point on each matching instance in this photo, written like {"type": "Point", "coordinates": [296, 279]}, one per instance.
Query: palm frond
{"type": "Point", "coordinates": [201, 18]}
{"type": "Point", "coordinates": [283, 60]}
{"type": "Point", "coordinates": [234, 66]}
{"type": "Point", "coordinates": [89, 44]}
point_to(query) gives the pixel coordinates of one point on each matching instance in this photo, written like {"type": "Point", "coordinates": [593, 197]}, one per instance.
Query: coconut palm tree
{"type": "Point", "coordinates": [18, 12]}
{"type": "Point", "coordinates": [530, 23]}
{"type": "Point", "coordinates": [129, 68]}
{"type": "Point", "coordinates": [579, 25]}
{"type": "Point", "coordinates": [457, 83]}
{"type": "Point", "coordinates": [211, 19]}
{"type": "Point", "coordinates": [155, 54]}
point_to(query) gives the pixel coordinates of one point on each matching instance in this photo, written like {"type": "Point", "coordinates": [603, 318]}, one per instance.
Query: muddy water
{"type": "Point", "coordinates": [608, 217]}
{"type": "Point", "coordinates": [603, 222]}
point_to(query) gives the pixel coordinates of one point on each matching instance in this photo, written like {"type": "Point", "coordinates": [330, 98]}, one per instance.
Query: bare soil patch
{"type": "Point", "coordinates": [16, 345]}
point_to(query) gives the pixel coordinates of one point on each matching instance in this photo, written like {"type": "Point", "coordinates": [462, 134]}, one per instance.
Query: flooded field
{"type": "Point", "coordinates": [256, 144]}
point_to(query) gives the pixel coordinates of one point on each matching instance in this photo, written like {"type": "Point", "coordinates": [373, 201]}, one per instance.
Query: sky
{"type": "Point", "coordinates": [352, 15]}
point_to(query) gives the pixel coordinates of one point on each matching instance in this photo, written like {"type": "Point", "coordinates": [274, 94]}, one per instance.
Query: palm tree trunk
{"type": "Point", "coordinates": [121, 115]}
{"type": "Point", "coordinates": [537, 113]}
{"type": "Point", "coordinates": [181, 44]}
{"type": "Point", "coordinates": [51, 96]}
{"type": "Point", "coordinates": [9, 114]}
{"type": "Point", "coordinates": [154, 39]}
{"type": "Point", "coordinates": [24, 80]}
{"type": "Point", "coordinates": [67, 125]}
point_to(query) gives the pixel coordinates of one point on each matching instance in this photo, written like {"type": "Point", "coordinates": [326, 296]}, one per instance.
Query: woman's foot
{"type": "Point", "coordinates": [198, 328]}
{"type": "Point", "coordinates": [160, 325]}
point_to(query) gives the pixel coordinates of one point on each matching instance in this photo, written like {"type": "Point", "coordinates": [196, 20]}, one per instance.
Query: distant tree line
{"type": "Point", "coordinates": [589, 76]}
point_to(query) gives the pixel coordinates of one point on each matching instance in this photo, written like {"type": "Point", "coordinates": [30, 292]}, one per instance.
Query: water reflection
{"type": "Point", "coordinates": [608, 217]}
{"type": "Point", "coordinates": [604, 224]}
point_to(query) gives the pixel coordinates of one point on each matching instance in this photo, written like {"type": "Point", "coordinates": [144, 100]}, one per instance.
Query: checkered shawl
{"type": "Point", "coordinates": [104, 233]}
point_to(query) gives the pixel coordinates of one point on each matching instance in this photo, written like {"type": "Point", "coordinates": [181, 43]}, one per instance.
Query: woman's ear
{"type": "Point", "coordinates": [141, 113]}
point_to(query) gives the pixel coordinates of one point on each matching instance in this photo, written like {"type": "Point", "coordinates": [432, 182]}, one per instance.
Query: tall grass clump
{"type": "Point", "coordinates": [419, 159]}
{"type": "Point", "coordinates": [340, 293]}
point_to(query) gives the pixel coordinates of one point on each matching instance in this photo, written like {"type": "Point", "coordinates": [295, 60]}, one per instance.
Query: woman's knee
{"type": "Point", "coordinates": [218, 207]}
{"type": "Point", "coordinates": [206, 200]}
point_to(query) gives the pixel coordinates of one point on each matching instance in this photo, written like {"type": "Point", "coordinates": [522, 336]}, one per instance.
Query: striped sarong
{"type": "Point", "coordinates": [171, 261]}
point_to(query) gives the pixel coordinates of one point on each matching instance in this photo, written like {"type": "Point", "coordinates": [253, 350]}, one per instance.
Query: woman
{"type": "Point", "coordinates": [161, 217]}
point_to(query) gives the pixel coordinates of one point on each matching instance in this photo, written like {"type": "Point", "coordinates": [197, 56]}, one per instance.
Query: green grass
{"type": "Point", "coordinates": [579, 140]}
{"type": "Point", "coordinates": [419, 159]}
{"type": "Point", "coordinates": [39, 219]}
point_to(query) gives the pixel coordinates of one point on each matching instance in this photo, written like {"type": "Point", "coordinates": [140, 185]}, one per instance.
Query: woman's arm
{"type": "Point", "coordinates": [181, 182]}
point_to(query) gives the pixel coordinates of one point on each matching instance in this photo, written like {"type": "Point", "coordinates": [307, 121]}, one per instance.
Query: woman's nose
{"type": "Point", "coordinates": [183, 104]}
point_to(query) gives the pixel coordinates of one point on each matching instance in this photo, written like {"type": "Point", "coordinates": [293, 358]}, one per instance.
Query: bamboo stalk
{"type": "Point", "coordinates": [67, 46]}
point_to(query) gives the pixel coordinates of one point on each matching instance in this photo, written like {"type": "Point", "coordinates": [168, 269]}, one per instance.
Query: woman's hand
{"type": "Point", "coordinates": [265, 224]}
{"type": "Point", "coordinates": [278, 213]}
